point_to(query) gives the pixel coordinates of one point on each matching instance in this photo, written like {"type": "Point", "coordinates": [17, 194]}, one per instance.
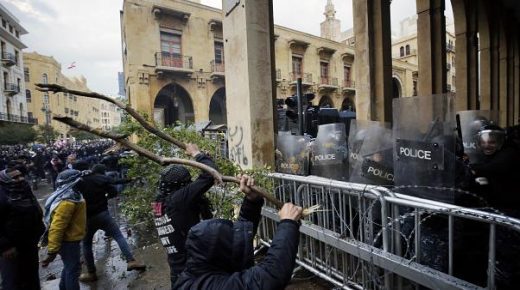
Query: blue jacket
{"type": "Point", "coordinates": [220, 254]}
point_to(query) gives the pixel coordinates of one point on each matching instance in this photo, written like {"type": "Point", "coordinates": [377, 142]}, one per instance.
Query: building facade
{"type": "Point", "coordinates": [404, 48]}
{"type": "Point", "coordinates": [174, 63]}
{"type": "Point", "coordinates": [110, 116]}
{"type": "Point", "coordinates": [42, 105]}
{"type": "Point", "coordinates": [13, 106]}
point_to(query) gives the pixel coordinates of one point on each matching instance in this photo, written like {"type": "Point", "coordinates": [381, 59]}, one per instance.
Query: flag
{"type": "Point", "coordinates": [72, 65]}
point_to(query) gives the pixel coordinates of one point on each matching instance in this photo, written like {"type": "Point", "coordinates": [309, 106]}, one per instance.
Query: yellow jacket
{"type": "Point", "coordinates": [68, 224]}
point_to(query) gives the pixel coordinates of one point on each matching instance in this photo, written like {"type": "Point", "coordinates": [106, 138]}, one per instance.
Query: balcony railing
{"type": "Point", "coordinates": [349, 85]}
{"type": "Point", "coordinates": [8, 58]}
{"type": "Point", "coordinates": [217, 70]}
{"type": "Point", "coordinates": [173, 60]}
{"type": "Point", "coordinates": [448, 66]}
{"type": "Point", "coordinates": [217, 66]}
{"type": "Point", "coordinates": [17, 119]}
{"type": "Point", "coordinates": [306, 77]}
{"type": "Point", "coordinates": [11, 89]}
{"type": "Point", "coordinates": [450, 47]}
{"type": "Point", "coordinates": [328, 81]}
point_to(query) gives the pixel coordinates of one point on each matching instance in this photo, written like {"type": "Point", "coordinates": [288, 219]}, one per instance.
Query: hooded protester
{"type": "Point", "coordinates": [21, 226]}
{"type": "Point", "coordinates": [65, 217]}
{"type": "Point", "coordinates": [180, 204]}
{"type": "Point", "coordinates": [220, 252]}
{"type": "Point", "coordinates": [97, 188]}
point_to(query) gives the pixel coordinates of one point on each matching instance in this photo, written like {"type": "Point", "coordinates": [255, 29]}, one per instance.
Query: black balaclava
{"type": "Point", "coordinates": [172, 178]}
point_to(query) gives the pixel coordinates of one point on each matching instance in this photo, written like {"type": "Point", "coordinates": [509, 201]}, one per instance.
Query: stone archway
{"type": "Point", "coordinates": [173, 103]}
{"type": "Point", "coordinates": [397, 88]}
{"type": "Point", "coordinates": [326, 102]}
{"type": "Point", "coordinates": [217, 107]}
{"type": "Point", "coordinates": [348, 105]}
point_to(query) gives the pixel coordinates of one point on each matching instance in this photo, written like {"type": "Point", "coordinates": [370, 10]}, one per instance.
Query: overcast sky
{"type": "Point", "coordinates": [87, 32]}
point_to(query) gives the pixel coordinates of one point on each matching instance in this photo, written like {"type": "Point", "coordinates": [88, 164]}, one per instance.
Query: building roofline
{"type": "Point", "coordinates": [11, 18]}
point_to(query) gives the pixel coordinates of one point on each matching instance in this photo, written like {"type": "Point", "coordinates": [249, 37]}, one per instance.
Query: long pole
{"type": "Point", "coordinates": [299, 98]}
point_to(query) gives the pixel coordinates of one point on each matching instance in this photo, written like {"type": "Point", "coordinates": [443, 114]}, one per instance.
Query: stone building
{"type": "Point", "coordinates": [13, 107]}
{"type": "Point", "coordinates": [110, 116]}
{"type": "Point", "coordinates": [42, 106]}
{"type": "Point", "coordinates": [404, 48]}
{"type": "Point", "coordinates": [173, 58]}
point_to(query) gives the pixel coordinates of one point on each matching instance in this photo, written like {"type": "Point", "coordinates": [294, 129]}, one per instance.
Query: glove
{"type": "Point", "coordinates": [50, 257]}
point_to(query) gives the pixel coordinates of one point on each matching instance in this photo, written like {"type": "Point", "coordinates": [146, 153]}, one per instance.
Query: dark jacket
{"type": "Point", "coordinates": [502, 171]}
{"type": "Point", "coordinates": [96, 190]}
{"type": "Point", "coordinates": [220, 255]}
{"type": "Point", "coordinates": [182, 209]}
{"type": "Point", "coordinates": [21, 219]}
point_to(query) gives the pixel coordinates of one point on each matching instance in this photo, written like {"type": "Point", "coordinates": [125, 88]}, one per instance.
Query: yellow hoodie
{"type": "Point", "coordinates": [68, 224]}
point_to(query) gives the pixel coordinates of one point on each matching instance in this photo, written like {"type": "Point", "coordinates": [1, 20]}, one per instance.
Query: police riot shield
{"type": "Point", "coordinates": [329, 152]}
{"type": "Point", "coordinates": [292, 154]}
{"type": "Point", "coordinates": [424, 146]}
{"type": "Point", "coordinates": [373, 163]}
{"type": "Point", "coordinates": [358, 131]}
{"type": "Point", "coordinates": [470, 124]}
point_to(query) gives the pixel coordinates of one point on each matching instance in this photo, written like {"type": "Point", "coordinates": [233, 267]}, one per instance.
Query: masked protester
{"type": "Point", "coordinates": [65, 217]}
{"type": "Point", "coordinates": [97, 188]}
{"type": "Point", "coordinates": [498, 175]}
{"type": "Point", "coordinates": [180, 204]}
{"type": "Point", "coordinates": [220, 252]}
{"type": "Point", "coordinates": [21, 226]}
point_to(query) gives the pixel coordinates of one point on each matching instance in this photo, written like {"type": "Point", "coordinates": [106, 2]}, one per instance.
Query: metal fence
{"type": "Point", "coordinates": [368, 237]}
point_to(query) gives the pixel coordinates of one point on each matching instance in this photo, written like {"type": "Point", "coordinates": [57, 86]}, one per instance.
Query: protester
{"type": "Point", "coordinates": [65, 216]}
{"type": "Point", "coordinates": [21, 226]}
{"type": "Point", "coordinates": [220, 252]}
{"type": "Point", "coordinates": [180, 205]}
{"type": "Point", "coordinates": [96, 189]}
{"type": "Point", "coordinates": [54, 167]}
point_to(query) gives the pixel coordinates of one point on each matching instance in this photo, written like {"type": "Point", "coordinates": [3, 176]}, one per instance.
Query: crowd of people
{"type": "Point", "coordinates": [203, 253]}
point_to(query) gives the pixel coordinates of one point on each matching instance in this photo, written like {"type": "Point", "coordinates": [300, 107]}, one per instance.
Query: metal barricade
{"type": "Point", "coordinates": [368, 237]}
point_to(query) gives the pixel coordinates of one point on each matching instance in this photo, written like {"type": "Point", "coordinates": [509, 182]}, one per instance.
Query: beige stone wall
{"type": "Point", "coordinates": [411, 58]}
{"type": "Point", "coordinates": [88, 110]}
{"type": "Point", "coordinates": [141, 40]}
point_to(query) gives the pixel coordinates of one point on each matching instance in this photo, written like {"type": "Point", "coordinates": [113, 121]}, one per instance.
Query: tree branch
{"type": "Point", "coordinates": [121, 139]}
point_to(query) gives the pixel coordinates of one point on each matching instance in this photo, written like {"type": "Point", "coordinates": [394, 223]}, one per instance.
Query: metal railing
{"type": "Point", "coordinates": [217, 66]}
{"type": "Point", "coordinates": [450, 47]}
{"type": "Point", "coordinates": [368, 237]}
{"type": "Point", "coordinates": [349, 84]}
{"type": "Point", "coordinates": [11, 88]}
{"type": "Point", "coordinates": [173, 60]}
{"type": "Point", "coordinates": [8, 58]}
{"type": "Point", "coordinates": [328, 81]}
{"type": "Point", "coordinates": [306, 77]}
{"type": "Point", "coordinates": [17, 118]}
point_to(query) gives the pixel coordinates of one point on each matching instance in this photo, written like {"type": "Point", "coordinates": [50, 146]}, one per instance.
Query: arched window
{"type": "Point", "coordinates": [407, 49]}
{"type": "Point", "coordinates": [45, 79]}
{"type": "Point", "coordinates": [401, 51]}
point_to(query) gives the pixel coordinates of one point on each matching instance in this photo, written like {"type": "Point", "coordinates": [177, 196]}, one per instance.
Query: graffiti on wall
{"type": "Point", "coordinates": [236, 146]}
